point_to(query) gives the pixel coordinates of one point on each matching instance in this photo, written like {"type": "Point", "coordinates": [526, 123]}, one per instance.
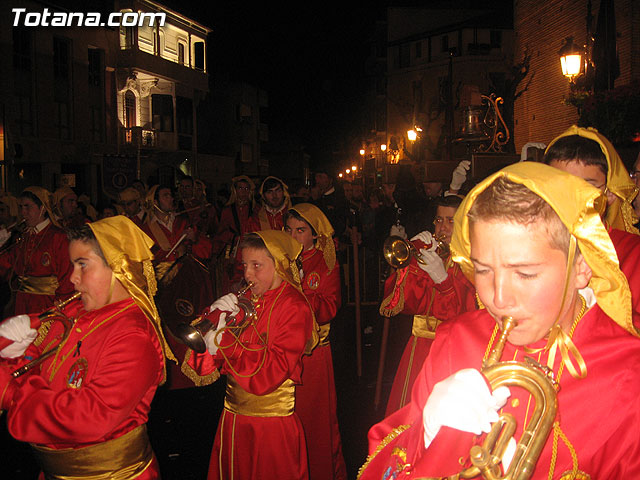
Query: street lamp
{"type": "Point", "coordinates": [571, 59]}
{"type": "Point", "coordinates": [383, 147]}
{"type": "Point", "coordinates": [412, 135]}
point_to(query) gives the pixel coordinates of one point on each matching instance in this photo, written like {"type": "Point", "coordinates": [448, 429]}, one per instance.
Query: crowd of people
{"type": "Point", "coordinates": [523, 290]}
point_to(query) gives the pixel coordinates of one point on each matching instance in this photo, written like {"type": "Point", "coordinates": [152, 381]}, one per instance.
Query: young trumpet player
{"type": "Point", "coordinates": [432, 289]}
{"type": "Point", "coordinates": [259, 434]}
{"type": "Point", "coordinates": [316, 397]}
{"type": "Point", "coordinates": [84, 408]}
{"type": "Point", "coordinates": [531, 239]}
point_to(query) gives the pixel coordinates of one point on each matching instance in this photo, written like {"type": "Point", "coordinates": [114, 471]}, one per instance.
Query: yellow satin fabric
{"type": "Point", "coordinates": [323, 333]}
{"type": "Point", "coordinates": [279, 403]}
{"type": "Point", "coordinates": [38, 285]}
{"type": "Point", "coordinates": [574, 200]}
{"type": "Point", "coordinates": [122, 458]}
{"type": "Point", "coordinates": [424, 326]}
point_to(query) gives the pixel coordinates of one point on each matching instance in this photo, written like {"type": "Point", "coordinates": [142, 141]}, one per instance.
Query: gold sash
{"type": "Point", "coordinates": [323, 333]}
{"type": "Point", "coordinates": [279, 403]}
{"type": "Point", "coordinates": [38, 285]}
{"type": "Point", "coordinates": [424, 326]}
{"type": "Point", "coordinates": [122, 458]}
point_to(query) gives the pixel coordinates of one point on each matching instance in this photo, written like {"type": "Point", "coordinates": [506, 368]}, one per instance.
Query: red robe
{"type": "Point", "coordinates": [627, 247]}
{"type": "Point", "coordinates": [201, 250]}
{"type": "Point", "coordinates": [123, 365]}
{"type": "Point", "coordinates": [42, 254]}
{"type": "Point", "coordinates": [227, 236]}
{"type": "Point", "coordinates": [411, 291]}
{"type": "Point", "coordinates": [600, 414]}
{"type": "Point", "coordinates": [264, 219]}
{"type": "Point", "coordinates": [316, 397]}
{"type": "Point", "coordinates": [262, 446]}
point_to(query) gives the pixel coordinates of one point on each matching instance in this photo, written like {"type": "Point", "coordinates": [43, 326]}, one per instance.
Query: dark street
{"type": "Point", "coordinates": [182, 423]}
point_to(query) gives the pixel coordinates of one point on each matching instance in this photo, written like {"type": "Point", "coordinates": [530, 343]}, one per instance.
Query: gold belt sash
{"type": "Point", "coordinates": [38, 285]}
{"type": "Point", "coordinates": [424, 326]}
{"type": "Point", "coordinates": [323, 333]}
{"type": "Point", "coordinates": [122, 458]}
{"type": "Point", "coordinates": [279, 403]}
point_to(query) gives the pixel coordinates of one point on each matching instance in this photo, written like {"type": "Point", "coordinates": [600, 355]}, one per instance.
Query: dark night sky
{"type": "Point", "coordinates": [309, 60]}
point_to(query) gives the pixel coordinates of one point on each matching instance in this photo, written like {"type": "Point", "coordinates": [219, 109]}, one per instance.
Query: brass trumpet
{"type": "Point", "coordinates": [192, 335]}
{"type": "Point", "coordinates": [53, 312]}
{"type": "Point", "coordinates": [397, 251]}
{"type": "Point", "coordinates": [538, 381]}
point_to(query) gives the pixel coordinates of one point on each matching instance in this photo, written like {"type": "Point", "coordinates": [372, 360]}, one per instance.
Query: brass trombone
{"type": "Point", "coordinates": [192, 335]}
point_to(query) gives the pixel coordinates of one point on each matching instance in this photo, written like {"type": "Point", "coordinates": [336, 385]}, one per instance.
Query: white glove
{"type": "Point", "coordinates": [18, 329]}
{"type": "Point", "coordinates": [226, 303]}
{"type": "Point", "coordinates": [4, 236]}
{"type": "Point", "coordinates": [211, 335]}
{"type": "Point", "coordinates": [459, 175]}
{"type": "Point", "coordinates": [425, 237]}
{"type": "Point", "coordinates": [433, 264]}
{"type": "Point", "coordinates": [398, 231]}
{"type": "Point", "coordinates": [462, 401]}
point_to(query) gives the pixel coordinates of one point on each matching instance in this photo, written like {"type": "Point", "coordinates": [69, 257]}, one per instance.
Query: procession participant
{"type": "Point", "coordinates": [84, 409]}
{"type": "Point", "coordinates": [259, 434]}
{"type": "Point", "coordinates": [131, 202]}
{"type": "Point", "coordinates": [234, 222]}
{"type": "Point", "coordinates": [531, 238]}
{"type": "Point", "coordinates": [316, 397]}
{"type": "Point", "coordinates": [589, 155]}
{"type": "Point", "coordinates": [432, 290]}
{"type": "Point", "coordinates": [37, 266]}
{"type": "Point", "coordinates": [88, 210]}
{"type": "Point", "coordinates": [275, 200]}
{"type": "Point", "coordinates": [65, 208]}
{"type": "Point", "coordinates": [167, 229]}
{"type": "Point", "coordinates": [181, 257]}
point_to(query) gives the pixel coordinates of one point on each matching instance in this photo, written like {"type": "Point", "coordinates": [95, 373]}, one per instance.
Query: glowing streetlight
{"type": "Point", "coordinates": [383, 147]}
{"type": "Point", "coordinates": [348, 171]}
{"type": "Point", "coordinates": [412, 135]}
{"type": "Point", "coordinates": [362, 152]}
{"type": "Point", "coordinates": [354, 168]}
{"type": "Point", "coordinates": [570, 59]}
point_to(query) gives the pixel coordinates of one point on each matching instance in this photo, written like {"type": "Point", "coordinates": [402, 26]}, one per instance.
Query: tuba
{"type": "Point", "coordinates": [192, 335]}
{"type": "Point", "coordinates": [397, 251]}
{"type": "Point", "coordinates": [539, 382]}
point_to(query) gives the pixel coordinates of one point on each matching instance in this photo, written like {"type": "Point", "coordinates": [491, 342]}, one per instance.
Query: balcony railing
{"type": "Point", "coordinates": [138, 137]}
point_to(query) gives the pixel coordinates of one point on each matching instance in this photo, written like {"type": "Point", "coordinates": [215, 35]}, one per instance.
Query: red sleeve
{"type": "Point", "coordinates": [126, 369]}
{"type": "Point", "coordinates": [261, 370]}
{"type": "Point", "coordinates": [62, 265]}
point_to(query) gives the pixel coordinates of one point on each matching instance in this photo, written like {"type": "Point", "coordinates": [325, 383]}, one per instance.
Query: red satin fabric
{"type": "Point", "coordinates": [316, 397]}
{"type": "Point", "coordinates": [627, 247]}
{"type": "Point", "coordinates": [201, 249]}
{"type": "Point", "coordinates": [422, 296]}
{"type": "Point", "coordinates": [124, 367]}
{"type": "Point", "coordinates": [40, 255]}
{"type": "Point", "coordinates": [600, 414]}
{"type": "Point", "coordinates": [262, 447]}
{"type": "Point", "coordinates": [276, 220]}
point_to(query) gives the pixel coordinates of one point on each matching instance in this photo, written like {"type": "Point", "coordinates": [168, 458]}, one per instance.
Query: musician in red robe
{"type": "Point", "coordinates": [234, 222]}
{"type": "Point", "coordinates": [316, 397]}
{"type": "Point", "coordinates": [131, 203]}
{"type": "Point", "coordinates": [588, 154]}
{"type": "Point", "coordinates": [259, 434]}
{"type": "Point", "coordinates": [84, 409]}
{"type": "Point", "coordinates": [275, 201]}
{"type": "Point", "coordinates": [177, 244]}
{"type": "Point", "coordinates": [432, 290]}
{"type": "Point", "coordinates": [37, 265]}
{"type": "Point", "coordinates": [531, 238]}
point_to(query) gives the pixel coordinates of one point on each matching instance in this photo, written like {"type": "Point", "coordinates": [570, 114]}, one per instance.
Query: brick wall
{"type": "Point", "coordinates": [541, 27]}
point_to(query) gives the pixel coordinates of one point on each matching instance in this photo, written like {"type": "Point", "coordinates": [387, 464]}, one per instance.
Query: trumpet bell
{"type": "Point", "coordinates": [191, 336]}
{"type": "Point", "coordinates": [397, 251]}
